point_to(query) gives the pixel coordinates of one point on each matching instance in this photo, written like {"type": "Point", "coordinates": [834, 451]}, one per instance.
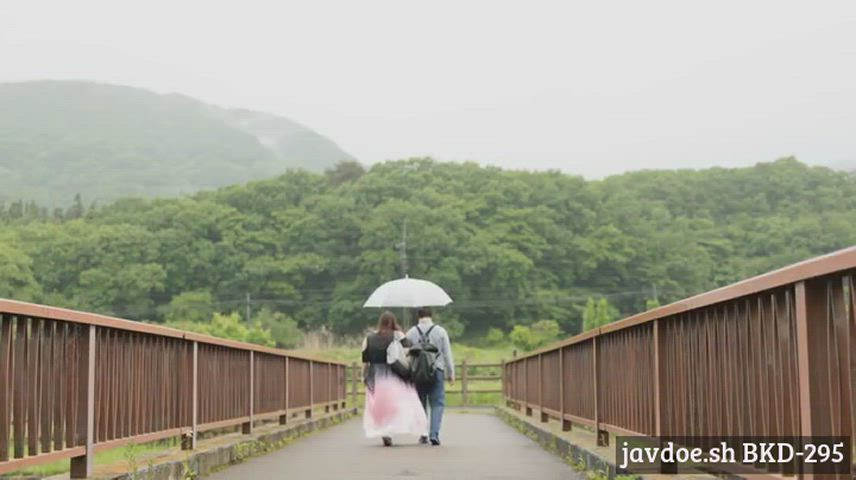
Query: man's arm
{"type": "Point", "coordinates": [447, 357]}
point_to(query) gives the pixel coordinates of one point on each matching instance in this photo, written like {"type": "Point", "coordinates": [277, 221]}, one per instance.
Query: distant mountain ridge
{"type": "Point", "coordinates": [61, 138]}
{"type": "Point", "coordinates": [292, 141]}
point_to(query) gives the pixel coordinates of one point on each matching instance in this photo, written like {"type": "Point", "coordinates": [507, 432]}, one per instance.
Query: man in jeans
{"type": "Point", "coordinates": [434, 395]}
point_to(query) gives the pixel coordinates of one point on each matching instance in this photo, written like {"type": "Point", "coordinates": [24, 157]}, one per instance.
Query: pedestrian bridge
{"type": "Point", "coordinates": [772, 355]}
{"type": "Point", "coordinates": [475, 446]}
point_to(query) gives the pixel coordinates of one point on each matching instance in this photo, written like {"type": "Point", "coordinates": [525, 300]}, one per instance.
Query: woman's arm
{"type": "Point", "coordinates": [365, 365]}
{"type": "Point", "coordinates": [394, 351]}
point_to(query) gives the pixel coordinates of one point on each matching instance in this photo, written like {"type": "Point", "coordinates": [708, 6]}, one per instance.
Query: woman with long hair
{"type": "Point", "coordinates": [392, 405]}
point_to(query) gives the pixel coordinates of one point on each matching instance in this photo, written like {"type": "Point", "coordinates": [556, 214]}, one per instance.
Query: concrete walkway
{"type": "Point", "coordinates": [475, 446]}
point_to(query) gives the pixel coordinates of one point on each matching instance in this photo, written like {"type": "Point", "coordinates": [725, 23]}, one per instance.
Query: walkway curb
{"type": "Point", "coordinates": [577, 456]}
{"type": "Point", "coordinates": [207, 461]}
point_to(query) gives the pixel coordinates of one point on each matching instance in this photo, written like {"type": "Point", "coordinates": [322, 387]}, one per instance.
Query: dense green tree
{"type": "Point", "coordinates": [193, 306]}
{"type": "Point", "coordinates": [511, 247]}
{"type": "Point", "coordinates": [522, 338]}
{"type": "Point", "coordinates": [343, 172]}
{"type": "Point", "coordinates": [283, 329]}
{"type": "Point", "coordinates": [598, 313]}
{"type": "Point", "coordinates": [651, 303]}
{"type": "Point", "coordinates": [16, 276]}
{"type": "Point", "coordinates": [494, 337]}
{"type": "Point", "coordinates": [229, 326]}
{"type": "Point", "coordinates": [537, 335]}
{"type": "Point", "coordinates": [76, 210]}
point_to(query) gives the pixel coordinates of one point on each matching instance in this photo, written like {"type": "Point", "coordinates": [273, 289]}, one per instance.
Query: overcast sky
{"type": "Point", "coordinates": [592, 88]}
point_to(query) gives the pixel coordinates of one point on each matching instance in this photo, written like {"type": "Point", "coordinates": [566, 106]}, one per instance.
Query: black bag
{"type": "Point", "coordinates": [401, 370]}
{"type": "Point", "coordinates": [422, 366]}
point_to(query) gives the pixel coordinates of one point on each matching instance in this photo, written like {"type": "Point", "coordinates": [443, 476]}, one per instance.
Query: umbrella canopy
{"type": "Point", "coordinates": [408, 292]}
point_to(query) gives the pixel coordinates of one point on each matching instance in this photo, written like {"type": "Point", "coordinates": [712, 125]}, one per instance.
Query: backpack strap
{"type": "Point", "coordinates": [424, 337]}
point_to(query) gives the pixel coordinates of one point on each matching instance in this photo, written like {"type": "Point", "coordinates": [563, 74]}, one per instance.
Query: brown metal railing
{"type": "Point", "coordinates": [74, 383]}
{"type": "Point", "coordinates": [769, 356]}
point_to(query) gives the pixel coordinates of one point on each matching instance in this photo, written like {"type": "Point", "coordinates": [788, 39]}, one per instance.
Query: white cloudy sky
{"type": "Point", "coordinates": [587, 87]}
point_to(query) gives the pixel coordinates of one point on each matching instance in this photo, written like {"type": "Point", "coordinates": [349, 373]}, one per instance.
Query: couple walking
{"type": "Point", "coordinates": [404, 375]}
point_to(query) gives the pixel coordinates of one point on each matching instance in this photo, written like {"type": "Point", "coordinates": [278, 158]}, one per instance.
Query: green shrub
{"type": "Point", "coordinates": [229, 326]}
{"type": "Point", "coordinates": [537, 335]}
{"type": "Point", "coordinates": [283, 329]}
{"type": "Point", "coordinates": [495, 337]}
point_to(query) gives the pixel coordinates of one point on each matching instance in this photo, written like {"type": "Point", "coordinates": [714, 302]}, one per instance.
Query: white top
{"type": "Point", "coordinates": [395, 350]}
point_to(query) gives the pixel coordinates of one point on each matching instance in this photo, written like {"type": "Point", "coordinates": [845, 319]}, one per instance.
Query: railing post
{"type": "Point", "coordinates": [329, 388]}
{"type": "Point", "coordinates": [247, 427]}
{"type": "Point", "coordinates": [335, 386]}
{"type": "Point", "coordinates": [544, 416]}
{"type": "Point", "coordinates": [311, 393]}
{"type": "Point", "coordinates": [517, 386]}
{"type": "Point", "coordinates": [189, 441]}
{"type": "Point", "coordinates": [354, 384]}
{"type": "Point", "coordinates": [516, 380]}
{"type": "Point", "coordinates": [527, 407]}
{"type": "Point", "coordinates": [464, 382]}
{"type": "Point", "coordinates": [343, 384]}
{"type": "Point", "coordinates": [658, 380]}
{"type": "Point", "coordinates": [283, 419]}
{"type": "Point", "coordinates": [81, 467]}
{"type": "Point", "coordinates": [566, 424]}
{"type": "Point", "coordinates": [503, 380]}
{"type": "Point", "coordinates": [602, 435]}
{"type": "Point", "coordinates": [821, 359]}
{"type": "Point", "coordinates": [6, 377]}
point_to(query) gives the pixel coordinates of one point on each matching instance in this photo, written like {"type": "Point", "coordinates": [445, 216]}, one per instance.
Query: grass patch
{"type": "Point", "coordinates": [136, 457]}
{"type": "Point", "coordinates": [130, 454]}
{"type": "Point", "coordinates": [460, 352]}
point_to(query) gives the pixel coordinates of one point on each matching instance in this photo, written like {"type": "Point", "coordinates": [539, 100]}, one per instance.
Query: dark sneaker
{"type": "Point", "coordinates": [387, 441]}
{"type": "Point", "coordinates": [435, 442]}
{"type": "Point", "coordinates": [423, 440]}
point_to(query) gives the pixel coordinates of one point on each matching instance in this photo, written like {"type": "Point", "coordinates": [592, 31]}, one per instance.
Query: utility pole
{"type": "Point", "coordinates": [402, 246]}
{"type": "Point", "coordinates": [249, 309]}
{"type": "Point", "coordinates": [654, 292]}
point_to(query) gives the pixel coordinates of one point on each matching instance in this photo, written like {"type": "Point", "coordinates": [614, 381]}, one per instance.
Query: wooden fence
{"type": "Point", "coordinates": [485, 377]}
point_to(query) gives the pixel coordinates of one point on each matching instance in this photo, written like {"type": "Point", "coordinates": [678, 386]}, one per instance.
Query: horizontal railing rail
{"type": "Point", "coordinates": [768, 356]}
{"type": "Point", "coordinates": [488, 381]}
{"type": "Point", "coordinates": [75, 383]}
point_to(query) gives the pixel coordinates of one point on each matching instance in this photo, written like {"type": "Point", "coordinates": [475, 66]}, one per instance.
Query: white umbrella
{"type": "Point", "coordinates": [408, 292]}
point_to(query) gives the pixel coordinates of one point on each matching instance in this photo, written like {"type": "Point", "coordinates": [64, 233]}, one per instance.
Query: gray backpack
{"type": "Point", "coordinates": [422, 365]}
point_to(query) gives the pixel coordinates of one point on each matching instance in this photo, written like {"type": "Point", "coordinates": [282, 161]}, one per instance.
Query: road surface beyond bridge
{"type": "Point", "coordinates": [475, 446]}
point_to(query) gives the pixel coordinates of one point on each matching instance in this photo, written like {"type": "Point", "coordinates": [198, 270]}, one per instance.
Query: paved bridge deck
{"type": "Point", "coordinates": [475, 446]}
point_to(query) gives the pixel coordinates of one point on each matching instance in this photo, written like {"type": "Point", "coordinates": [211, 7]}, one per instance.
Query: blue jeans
{"type": "Point", "coordinates": [434, 395]}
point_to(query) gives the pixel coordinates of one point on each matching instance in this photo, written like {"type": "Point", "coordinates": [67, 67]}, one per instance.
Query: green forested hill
{"type": "Point", "coordinates": [511, 247]}
{"type": "Point", "coordinates": [61, 138]}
